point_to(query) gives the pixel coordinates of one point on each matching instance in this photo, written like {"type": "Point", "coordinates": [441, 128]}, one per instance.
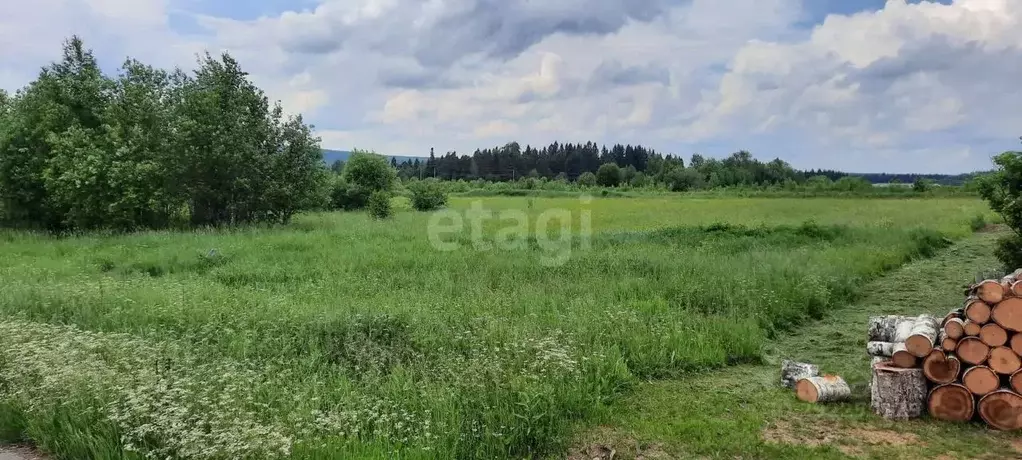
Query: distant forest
{"type": "Point", "coordinates": [567, 161]}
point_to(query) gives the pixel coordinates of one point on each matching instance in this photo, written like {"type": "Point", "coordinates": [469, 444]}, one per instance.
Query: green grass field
{"type": "Point", "coordinates": [344, 337]}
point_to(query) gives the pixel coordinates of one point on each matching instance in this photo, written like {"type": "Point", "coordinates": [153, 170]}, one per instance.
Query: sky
{"type": "Point", "coordinates": [854, 85]}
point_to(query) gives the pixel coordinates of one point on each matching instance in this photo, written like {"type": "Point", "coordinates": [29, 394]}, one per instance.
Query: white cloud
{"type": "Point", "coordinates": [874, 90]}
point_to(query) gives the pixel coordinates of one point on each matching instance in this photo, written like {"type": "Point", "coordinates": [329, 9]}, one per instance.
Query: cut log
{"type": "Point", "coordinates": [823, 389]}
{"type": "Point", "coordinates": [939, 368]}
{"type": "Point", "coordinates": [956, 313]}
{"type": "Point", "coordinates": [952, 402]}
{"type": "Point", "coordinates": [993, 335]}
{"type": "Point", "coordinates": [792, 372]}
{"type": "Point", "coordinates": [955, 328]}
{"type": "Point", "coordinates": [972, 350]}
{"type": "Point", "coordinates": [901, 357]}
{"type": "Point", "coordinates": [989, 291]}
{"type": "Point", "coordinates": [885, 328]}
{"type": "Point", "coordinates": [897, 393]}
{"type": "Point", "coordinates": [1016, 381]}
{"type": "Point", "coordinates": [1016, 344]}
{"type": "Point", "coordinates": [885, 349]}
{"type": "Point", "coordinates": [949, 345]}
{"type": "Point", "coordinates": [879, 359]}
{"type": "Point", "coordinates": [972, 329]}
{"type": "Point", "coordinates": [977, 311]}
{"type": "Point", "coordinates": [922, 336]}
{"type": "Point", "coordinates": [981, 380]}
{"type": "Point", "coordinates": [1002, 410]}
{"type": "Point", "coordinates": [1008, 314]}
{"type": "Point", "coordinates": [1004, 361]}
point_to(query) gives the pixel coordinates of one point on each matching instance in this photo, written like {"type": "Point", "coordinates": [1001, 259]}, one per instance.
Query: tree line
{"type": "Point", "coordinates": [151, 148]}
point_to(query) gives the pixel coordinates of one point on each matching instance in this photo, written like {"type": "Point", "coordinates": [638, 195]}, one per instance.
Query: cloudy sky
{"type": "Point", "coordinates": [860, 85]}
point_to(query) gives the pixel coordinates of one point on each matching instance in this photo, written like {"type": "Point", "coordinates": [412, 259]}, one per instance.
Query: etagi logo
{"type": "Point", "coordinates": [552, 230]}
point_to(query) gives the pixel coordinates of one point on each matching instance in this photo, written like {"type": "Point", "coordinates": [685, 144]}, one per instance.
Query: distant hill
{"type": "Point", "coordinates": [330, 156]}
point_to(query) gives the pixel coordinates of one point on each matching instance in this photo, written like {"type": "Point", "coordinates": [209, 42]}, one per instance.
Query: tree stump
{"type": "Point", "coordinates": [897, 393]}
{"type": "Point", "coordinates": [822, 389]}
{"type": "Point", "coordinates": [792, 372]}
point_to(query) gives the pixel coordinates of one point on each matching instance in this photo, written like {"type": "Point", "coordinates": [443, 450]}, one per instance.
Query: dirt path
{"type": "Point", "coordinates": [19, 453]}
{"type": "Point", "coordinates": [741, 412]}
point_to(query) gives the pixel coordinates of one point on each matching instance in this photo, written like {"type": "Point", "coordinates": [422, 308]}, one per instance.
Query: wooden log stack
{"type": "Point", "coordinates": [970, 362]}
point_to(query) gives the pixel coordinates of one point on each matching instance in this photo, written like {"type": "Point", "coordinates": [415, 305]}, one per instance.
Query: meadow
{"type": "Point", "coordinates": [339, 336]}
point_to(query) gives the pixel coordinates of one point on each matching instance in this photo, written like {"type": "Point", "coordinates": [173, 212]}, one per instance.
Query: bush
{"type": "Point", "coordinates": [379, 205]}
{"type": "Point", "coordinates": [922, 185]}
{"type": "Point", "coordinates": [978, 223]}
{"type": "Point", "coordinates": [1009, 251]}
{"type": "Point", "coordinates": [683, 179]}
{"type": "Point", "coordinates": [427, 195]}
{"type": "Point", "coordinates": [609, 175]}
{"type": "Point", "coordinates": [369, 171]}
{"type": "Point", "coordinates": [348, 197]}
{"type": "Point", "coordinates": [587, 179]}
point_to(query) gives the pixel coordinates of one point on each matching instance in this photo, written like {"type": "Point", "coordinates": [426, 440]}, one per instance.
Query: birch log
{"type": "Point", "coordinates": [792, 372]}
{"type": "Point", "coordinates": [922, 336]}
{"type": "Point", "coordinates": [828, 388]}
{"type": "Point", "coordinates": [885, 328]}
{"type": "Point", "coordinates": [897, 393]}
{"type": "Point", "coordinates": [885, 349]}
{"type": "Point", "coordinates": [901, 357]}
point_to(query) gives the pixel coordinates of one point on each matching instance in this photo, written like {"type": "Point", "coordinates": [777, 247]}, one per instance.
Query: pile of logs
{"type": "Point", "coordinates": [968, 364]}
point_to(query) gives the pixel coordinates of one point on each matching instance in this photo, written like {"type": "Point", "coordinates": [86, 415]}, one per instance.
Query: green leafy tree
{"type": "Point", "coordinates": [1003, 190]}
{"type": "Point", "coordinates": [587, 179]}
{"type": "Point", "coordinates": [922, 185]}
{"type": "Point", "coordinates": [369, 171]}
{"type": "Point", "coordinates": [609, 175]}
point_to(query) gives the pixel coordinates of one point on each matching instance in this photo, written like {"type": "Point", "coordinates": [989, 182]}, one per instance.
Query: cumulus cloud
{"type": "Point", "coordinates": [911, 86]}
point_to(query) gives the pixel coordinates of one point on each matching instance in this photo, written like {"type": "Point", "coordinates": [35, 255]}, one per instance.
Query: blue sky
{"type": "Point", "coordinates": [861, 85]}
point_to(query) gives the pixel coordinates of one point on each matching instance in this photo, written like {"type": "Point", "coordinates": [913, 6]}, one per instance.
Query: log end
{"type": "Point", "coordinates": [1002, 410]}
{"type": "Point", "coordinates": [952, 403]}
{"type": "Point", "coordinates": [981, 380]}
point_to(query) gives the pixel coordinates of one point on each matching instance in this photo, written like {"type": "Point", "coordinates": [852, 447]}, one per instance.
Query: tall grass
{"type": "Point", "coordinates": [343, 336]}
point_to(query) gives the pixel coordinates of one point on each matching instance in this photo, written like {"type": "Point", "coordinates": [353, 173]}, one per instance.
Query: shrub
{"type": "Point", "coordinates": [348, 197]}
{"type": "Point", "coordinates": [978, 223]}
{"type": "Point", "coordinates": [639, 180]}
{"type": "Point", "coordinates": [379, 205]}
{"type": "Point", "coordinates": [683, 179]}
{"type": "Point", "coordinates": [609, 175]}
{"type": "Point", "coordinates": [587, 179]}
{"type": "Point", "coordinates": [427, 195]}
{"type": "Point", "coordinates": [369, 171]}
{"type": "Point", "coordinates": [1009, 251]}
{"type": "Point", "coordinates": [922, 185]}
